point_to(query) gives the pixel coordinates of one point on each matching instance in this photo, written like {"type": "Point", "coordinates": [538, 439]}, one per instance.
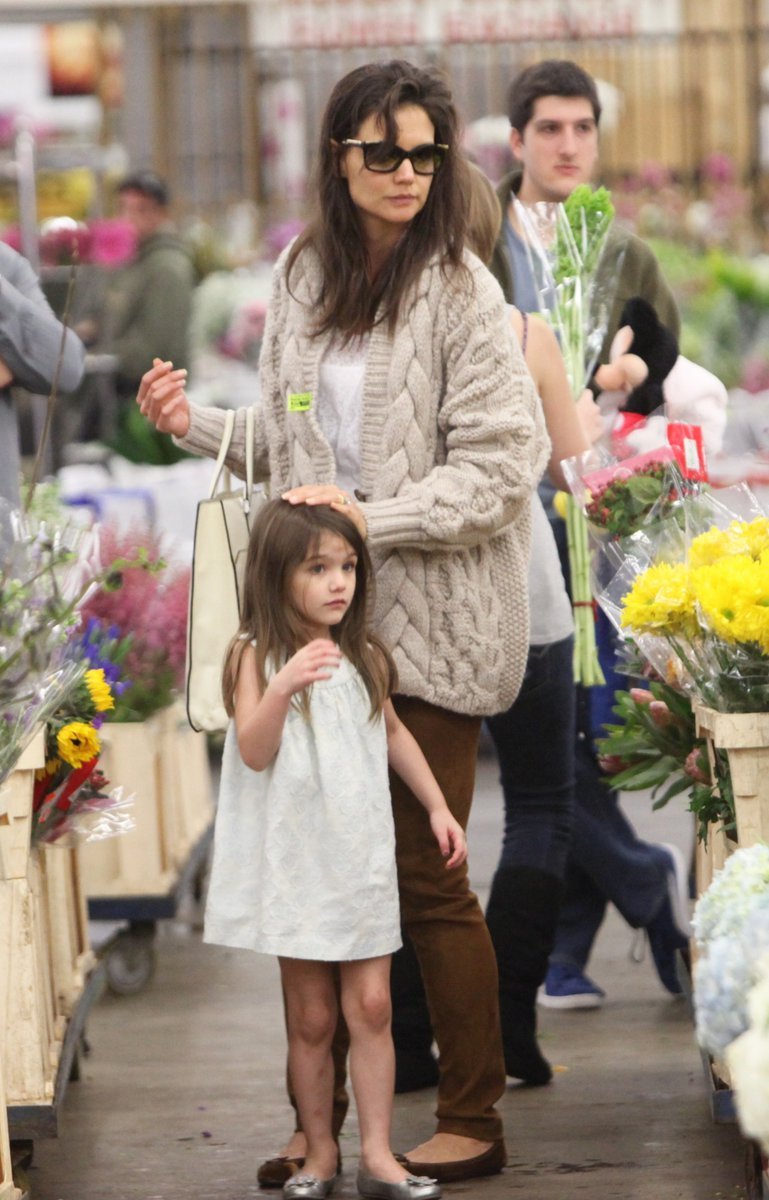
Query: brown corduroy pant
{"type": "Point", "coordinates": [447, 928]}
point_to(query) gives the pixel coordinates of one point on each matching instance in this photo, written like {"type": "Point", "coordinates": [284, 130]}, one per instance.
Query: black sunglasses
{"type": "Point", "coordinates": [379, 156]}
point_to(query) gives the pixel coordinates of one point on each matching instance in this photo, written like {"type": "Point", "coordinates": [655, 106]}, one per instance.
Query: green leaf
{"type": "Point", "coordinates": [651, 776]}
{"type": "Point", "coordinates": [684, 784]}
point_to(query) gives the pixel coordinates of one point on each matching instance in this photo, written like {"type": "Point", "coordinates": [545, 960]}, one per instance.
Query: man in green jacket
{"type": "Point", "coordinates": [554, 111]}
{"type": "Point", "coordinates": [149, 303]}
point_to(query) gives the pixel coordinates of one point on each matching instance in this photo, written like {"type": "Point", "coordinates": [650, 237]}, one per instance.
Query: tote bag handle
{"type": "Point", "coordinates": [229, 426]}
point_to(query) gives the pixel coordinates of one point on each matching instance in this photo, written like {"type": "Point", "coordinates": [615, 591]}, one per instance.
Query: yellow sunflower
{"type": "Point", "coordinates": [99, 689]}
{"type": "Point", "coordinates": [51, 767]}
{"type": "Point", "coordinates": [78, 743]}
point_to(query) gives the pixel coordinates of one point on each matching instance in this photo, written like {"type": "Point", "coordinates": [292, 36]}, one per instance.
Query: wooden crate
{"type": "Point", "coordinates": [16, 810]}
{"type": "Point", "coordinates": [186, 783]}
{"type": "Point", "coordinates": [7, 1189]}
{"type": "Point", "coordinates": [745, 737]}
{"type": "Point", "coordinates": [163, 763]}
{"type": "Point", "coordinates": [71, 957]}
{"type": "Point", "coordinates": [710, 857]}
{"type": "Point", "coordinates": [31, 1030]}
{"type": "Point", "coordinates": [135, 863]}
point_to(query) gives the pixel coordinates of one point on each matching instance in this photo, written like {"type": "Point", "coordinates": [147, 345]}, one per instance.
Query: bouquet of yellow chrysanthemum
{"type": "Point", "coordinates": [713, 611]}
{"type": "Point", "coordinates": [695, 602]}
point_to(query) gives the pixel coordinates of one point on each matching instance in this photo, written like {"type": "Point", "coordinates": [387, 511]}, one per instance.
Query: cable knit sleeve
{"type": "Point", "coordinates": [491, 424]}
{"type": "Point", "coordinates": [207, 424]}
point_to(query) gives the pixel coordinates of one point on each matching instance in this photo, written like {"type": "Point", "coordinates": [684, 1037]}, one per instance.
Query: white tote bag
{"type": "Point", "coordinates": [222, 530]}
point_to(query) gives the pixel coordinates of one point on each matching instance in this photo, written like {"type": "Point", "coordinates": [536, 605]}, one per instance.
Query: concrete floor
{"type": "Point", "coordinates": [182, 1092]}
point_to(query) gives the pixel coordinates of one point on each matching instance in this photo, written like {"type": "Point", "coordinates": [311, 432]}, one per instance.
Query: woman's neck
{"type": "Point", "coordinates": [379, 247]}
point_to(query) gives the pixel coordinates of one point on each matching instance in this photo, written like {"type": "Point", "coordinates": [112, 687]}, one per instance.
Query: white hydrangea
{"type": "Point", "coordinates": [722, 979]}
{"type": "Point", "coordinates": [723, 909]}
{"type": "Point", "coordinates": [747, 1058]}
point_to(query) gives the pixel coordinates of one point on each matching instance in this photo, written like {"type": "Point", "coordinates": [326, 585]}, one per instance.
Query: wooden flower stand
{"type": "Point", "coordinates": [47, 975]}
{"type": "Point", "coordinates": [139, 877]}
{"type": "Point", "coordinates": [745, 738]}
{"type": "Point", "coordinates": [8, 1190]}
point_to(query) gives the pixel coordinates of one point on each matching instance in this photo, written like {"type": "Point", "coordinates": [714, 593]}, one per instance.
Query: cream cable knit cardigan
{"type": "Point", "coordinates": [452, 445]}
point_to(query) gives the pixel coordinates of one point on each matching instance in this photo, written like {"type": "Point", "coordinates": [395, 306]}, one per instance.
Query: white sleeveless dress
{"type": "Point", "coordinates": [304, 851]}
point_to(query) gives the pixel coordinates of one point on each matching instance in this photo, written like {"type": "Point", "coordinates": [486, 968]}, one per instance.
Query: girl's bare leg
{"type": "Point", "coordinates": [311, 1011]}
{"type": "Point", "coordinates": [367, 1011]}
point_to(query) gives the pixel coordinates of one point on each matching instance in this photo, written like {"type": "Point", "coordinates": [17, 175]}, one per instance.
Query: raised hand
{"type": "Point", "coordinates": [162, 399]}
{"type": "Point", "coordinates": [317, 660]}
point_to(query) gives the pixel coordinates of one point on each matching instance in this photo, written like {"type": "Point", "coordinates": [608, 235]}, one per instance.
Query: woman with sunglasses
{"type": "Point", "coordinates": [392, 389]}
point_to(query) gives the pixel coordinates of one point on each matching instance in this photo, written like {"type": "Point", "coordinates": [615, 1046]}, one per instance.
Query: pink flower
{"type": "Point", "coordinates": [697, 766]}
{"type": "Point", "coordinates": [661, 714]}
{"type": "Point", "coordinates": [611, 764]}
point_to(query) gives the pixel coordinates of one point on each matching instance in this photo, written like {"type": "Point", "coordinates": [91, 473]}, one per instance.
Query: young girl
{"type": "Point", "coordinates": [304, 859]}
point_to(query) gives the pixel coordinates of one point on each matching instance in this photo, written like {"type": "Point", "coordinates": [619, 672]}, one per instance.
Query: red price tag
{"type": "Point", "coordinates": [686, 441]}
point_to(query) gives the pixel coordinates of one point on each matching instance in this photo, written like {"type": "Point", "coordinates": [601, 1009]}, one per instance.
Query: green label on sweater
{"type": "Point", "coordinates": [299, 401]}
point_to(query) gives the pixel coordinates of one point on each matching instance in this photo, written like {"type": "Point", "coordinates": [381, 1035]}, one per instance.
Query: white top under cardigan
{"type": "Point", "coordinates": [340, 395]}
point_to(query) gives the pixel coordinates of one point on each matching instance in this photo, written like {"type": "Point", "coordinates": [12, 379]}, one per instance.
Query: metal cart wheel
{"type": "Point", "coordinates": [130, 960]}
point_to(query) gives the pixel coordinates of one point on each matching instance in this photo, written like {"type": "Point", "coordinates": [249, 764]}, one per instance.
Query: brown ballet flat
{"type": "Point", "coordinates": [275, 1172]}
{"type": "Point", "coordinates": [490, 1162]}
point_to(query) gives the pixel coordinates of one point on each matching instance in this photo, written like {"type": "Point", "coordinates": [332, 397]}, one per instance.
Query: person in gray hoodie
{"type": "Point", "coordinates": [35, 352]}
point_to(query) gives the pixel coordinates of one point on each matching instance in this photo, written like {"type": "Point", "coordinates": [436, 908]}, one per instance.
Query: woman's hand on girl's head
{"type": "Point", "coordinates": [450, 836]}
{"type": "Point", "coordinates": [317, 660]}
{"type": "Point", "coordinates": [334, 497]}
{"type": "Point", "coordinates": [162, 399]}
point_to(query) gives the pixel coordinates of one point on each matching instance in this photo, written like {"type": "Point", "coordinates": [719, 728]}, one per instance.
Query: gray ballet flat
{"type": "Point", "coordinates": [413, 1187]}
{"type": "Point", "coordinates": [307, 1187]}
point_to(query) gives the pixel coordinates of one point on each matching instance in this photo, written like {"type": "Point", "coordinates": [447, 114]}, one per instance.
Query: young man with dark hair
{"type": "Point", "coordinates": [555, 110]}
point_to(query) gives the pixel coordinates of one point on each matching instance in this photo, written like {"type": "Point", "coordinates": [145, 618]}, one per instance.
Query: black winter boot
{"type": "Point", "coordinates": [522, 915]}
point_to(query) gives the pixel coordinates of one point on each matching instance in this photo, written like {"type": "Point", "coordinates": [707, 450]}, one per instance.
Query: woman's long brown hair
{"type": "Point", "coordinates": [351, 302]}
{"type": "Point", "coordinates": [282, 537]}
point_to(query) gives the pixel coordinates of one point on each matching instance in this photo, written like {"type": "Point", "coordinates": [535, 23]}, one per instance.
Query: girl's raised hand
{"type": "Point", "coordinates": [162, 399]}
{"type": "Point", "coordinates": [450, 836]}
{"type": "Point", "coordinates": [317, 660]}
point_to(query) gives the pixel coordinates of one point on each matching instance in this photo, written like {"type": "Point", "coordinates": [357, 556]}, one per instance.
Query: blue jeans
{"type": "Point", "coordinates": [534, 741]}
{"type": "Point", "coordinates": [608, 863]}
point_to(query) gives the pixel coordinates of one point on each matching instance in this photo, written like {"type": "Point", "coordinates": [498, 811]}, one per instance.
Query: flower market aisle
{"type": "Point", "coordinates": [182, 1091]}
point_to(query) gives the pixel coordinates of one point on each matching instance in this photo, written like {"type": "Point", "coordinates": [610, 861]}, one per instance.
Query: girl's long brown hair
{"type": "Point", "coordinates": [351, 302]}
{"type": "Point", "coordinates": [282, 536]}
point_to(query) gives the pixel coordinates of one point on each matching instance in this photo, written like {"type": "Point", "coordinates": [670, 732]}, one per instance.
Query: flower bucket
{"type": "Point", "coordinates": [745, 738]}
